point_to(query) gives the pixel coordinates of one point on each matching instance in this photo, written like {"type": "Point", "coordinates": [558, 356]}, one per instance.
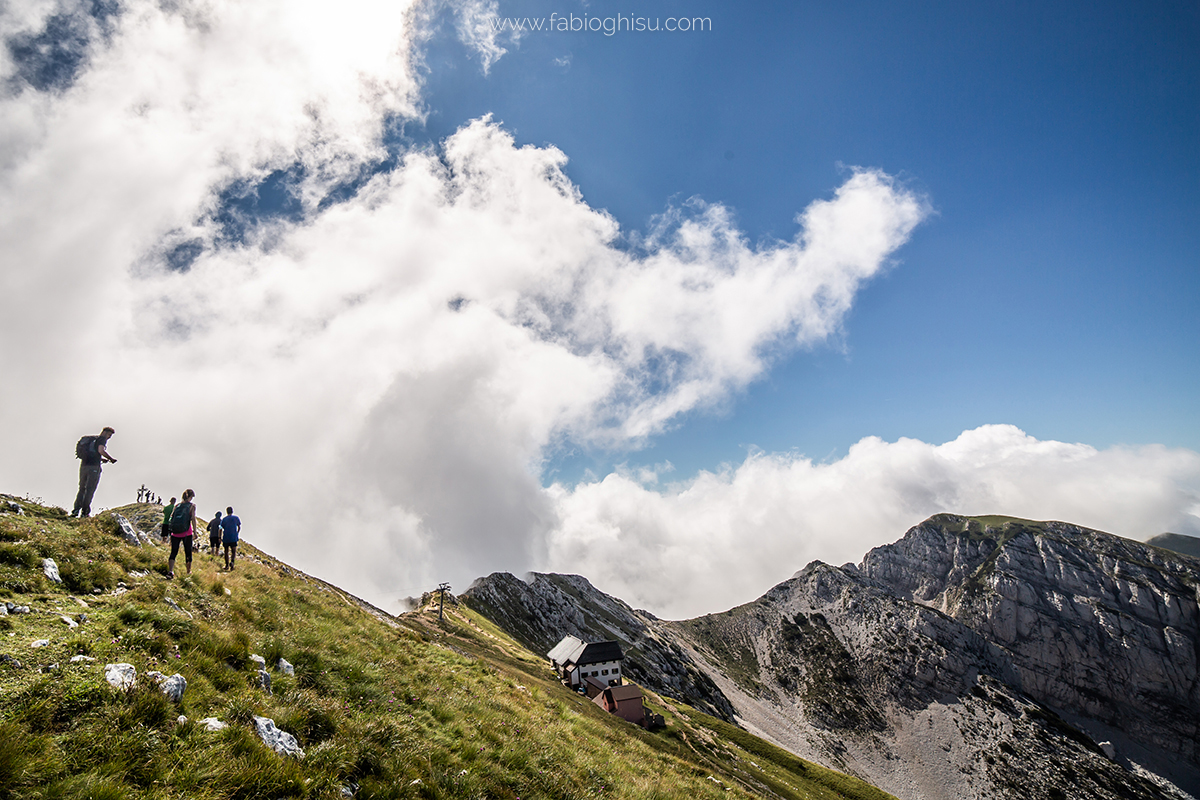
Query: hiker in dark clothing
{"type": "Point", "coordinates": [231, 526]}
{"type": "Point", "coordinates": [166, 526]}
{"type": "Point", "coordinates": [214, 535]}
{"type": "Point", "coordinates": [92, 452]}
{"type": "Point", "coordinates": [182, 524]}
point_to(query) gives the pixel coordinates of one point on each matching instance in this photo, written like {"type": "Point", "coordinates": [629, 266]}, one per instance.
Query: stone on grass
{"type": "Point", "coordinates": [212, 724]}
{"type": "Point", "coordinates": [257, 659]}
{"type": "Point", "coordinates": [81, 657]}
{"type": "Point", "coordinates": [39, 643]}
{"type": "Point", "coordinates": [264, 680]}
{"type": "Point", "coordinates": [128, 531]}
{"type": "Point", "coordinates": [70, 622]}
{"type": "Point", "coordinates": [174, 687]}
{"type": "Point", "coordinates": [8, 660]}
{"type": "Point", "coordinates": [175, 606]}
{"type": "Point", "coordinates": [51, 570]}
{"type": "Point", "coordinates": [181, 719]}
{"type": "Point", "coordinates": [120, 676]}
{"type": "Point", "coordinates": [3, 610]}
{"type": "Point", "coordinates": [284, 667]}
{"type": "Point", "coordinates": [281, 742]}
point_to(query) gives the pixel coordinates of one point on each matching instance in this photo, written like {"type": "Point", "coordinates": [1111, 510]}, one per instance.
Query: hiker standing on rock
{"type": "Point", "coordinates": [92, 453]}
{"type": "Point", "coordinates": [214, 534]}
{"type": "Point", "coordinates": [231, 526]}
{"type": "Point", "coordinates": [182, 524]}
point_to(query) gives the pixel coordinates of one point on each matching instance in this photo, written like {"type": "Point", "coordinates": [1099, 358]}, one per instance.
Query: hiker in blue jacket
{"type": "Point", "coordinates": [231, 526]}
{"type": "Point", "coordinates": [92, 452]}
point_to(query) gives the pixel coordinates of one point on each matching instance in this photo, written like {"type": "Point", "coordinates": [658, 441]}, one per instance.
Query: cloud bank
{"type": "Point", "coordinates": [212, 244]}
{"type": "Point", "coordinates": [723, 538]}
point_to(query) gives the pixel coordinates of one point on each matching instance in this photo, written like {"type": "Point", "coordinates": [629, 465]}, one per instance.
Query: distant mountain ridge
{"type": "Point", "coordinates": [974, 658]}
{"type": "Point", "coordinates": [1188, 545]}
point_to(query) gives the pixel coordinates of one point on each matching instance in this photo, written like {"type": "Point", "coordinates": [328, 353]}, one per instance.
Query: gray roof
{"type": "Point", "coordinates": [574, 651]}
{"type": "Point", "coordinates": [559, 653]}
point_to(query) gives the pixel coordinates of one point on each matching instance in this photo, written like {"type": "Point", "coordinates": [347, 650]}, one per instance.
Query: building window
{"type": "Point", "coordinates": [604, 672]}
{"type": "Point", "coordinates": [616, 670]}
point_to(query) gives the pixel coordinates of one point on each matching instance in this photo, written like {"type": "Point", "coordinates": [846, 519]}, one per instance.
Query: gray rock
{"type": "Point", "coordinates": [264, 680]}
{"type": "Point", "coordinates": [19, 609]}
{"type": "Point", "coordinates": [51, 570]}
{"type": "Point", "coordinates": [174, 687]}
{"type": "Point", "coordinates": [9, 661]}
{"type": "Point", "coordinates": [259, 660]}
{"type": "Point", "coordinates": [177, 607]}
{"type": "Point", "coordinates": [286, 668]}
{"type": "Point", "coordinates": [79, 658]}
{"type": "Point", "coordinates": [3, 609]}
{"type": "Point", "coordinates": [281, 742]}
{"type": "Point", "coordinates": [129, 533]}
{"type": "Point", "coordinates": [120, 676]}
{"type": "Point", "coordinates": [70, 622]}
{"type": "Point", "coordinates": [212, 724]}
{"type": "Point", "coordinates": [181, 719]}
{"type": "Point", "coordinates": [39, 643]}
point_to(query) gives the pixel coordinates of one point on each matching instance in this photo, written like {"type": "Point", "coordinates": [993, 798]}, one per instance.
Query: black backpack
{"type": "Point", "coordinates": [84, 446]}
{"type": "Point", "coordinates": [181, 517]}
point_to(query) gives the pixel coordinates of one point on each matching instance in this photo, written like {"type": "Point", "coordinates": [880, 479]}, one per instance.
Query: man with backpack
{"type": "Point", "coordinates": [92, 453]}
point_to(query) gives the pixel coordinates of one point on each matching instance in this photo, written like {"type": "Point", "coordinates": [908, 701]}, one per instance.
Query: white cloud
{"type": "Point", "coordinates": [721, 539]}
{"type": "Point", "coordinates": [372, 384]}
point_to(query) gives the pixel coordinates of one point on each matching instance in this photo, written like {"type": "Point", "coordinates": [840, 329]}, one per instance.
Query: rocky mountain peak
{"type": "Point", "coordinates": [1103, 629]}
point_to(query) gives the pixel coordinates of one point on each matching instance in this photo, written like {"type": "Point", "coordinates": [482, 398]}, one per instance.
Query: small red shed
{"type": "Point", "coordinates": [624, 701]}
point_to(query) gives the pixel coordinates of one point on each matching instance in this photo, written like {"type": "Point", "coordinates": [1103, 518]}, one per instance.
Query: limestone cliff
{"type": "Point", "coordinates": [1104, 630]}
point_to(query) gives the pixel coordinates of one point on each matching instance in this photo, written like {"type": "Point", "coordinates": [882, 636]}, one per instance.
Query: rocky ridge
{"type": "Point", "coordinates": [964, 661]}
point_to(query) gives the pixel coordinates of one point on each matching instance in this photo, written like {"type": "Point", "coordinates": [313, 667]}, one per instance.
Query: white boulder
{"type": "Point", "coordinates": [281, 742]}
{"type": "Point", "coordinates": [120, 676]}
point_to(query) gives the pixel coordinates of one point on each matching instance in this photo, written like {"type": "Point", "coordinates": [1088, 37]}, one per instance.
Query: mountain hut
{"type": "Point", "coordinates": [575, 661]}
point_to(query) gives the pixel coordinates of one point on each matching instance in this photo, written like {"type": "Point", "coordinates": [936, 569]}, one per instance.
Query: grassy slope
{"type": "Point", "coordinates": [397, 707]}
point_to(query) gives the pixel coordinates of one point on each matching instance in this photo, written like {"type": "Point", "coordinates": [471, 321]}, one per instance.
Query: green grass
{"type": "Point", "coordinates": [407, 707]}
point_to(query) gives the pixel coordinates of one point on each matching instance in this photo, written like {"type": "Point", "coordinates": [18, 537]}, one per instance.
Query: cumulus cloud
{"type": "Point", "coordinates": [372, 370]}
{"type": "Point", "coordinates": [373, 381]}
{"type": "Point", "coordinates": [723, 538]}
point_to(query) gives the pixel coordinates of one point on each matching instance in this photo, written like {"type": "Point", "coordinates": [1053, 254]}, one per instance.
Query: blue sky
{"type": "Point", "coordinates": [1053, 289]}
{"type": "Point", "coordinates": [719, 302]}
